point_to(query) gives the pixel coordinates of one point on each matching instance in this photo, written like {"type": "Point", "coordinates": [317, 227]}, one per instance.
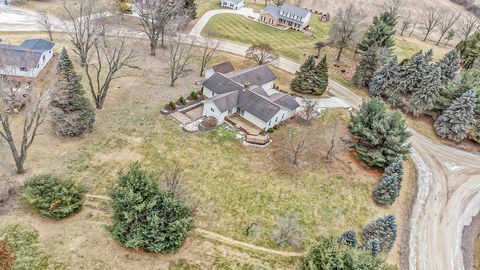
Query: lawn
{"type": "Point", "coordinates": [288, 43]}
{"type": "Point", "coordinates": [231, 186]}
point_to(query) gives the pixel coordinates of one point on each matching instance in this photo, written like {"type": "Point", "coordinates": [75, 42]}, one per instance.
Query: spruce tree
{"type": "Point", "coordinates": [387, 190]}
{"type": "Point", "coordinates": [321, 77]}
{"type": "Point", "coordinates": [372, 245]}
{"type": "Point", "coordinates": [366, 68]}
{"type": "Point", "coordinates": [449, 66]}
{"type": "Point", "coordinates": [303, 76]}
{"type": "Point", "coordinates": [425, 97]}
{"type": "Point", "coordinates": [379, 34]}
{"type": "Point", "coordinates": [458, 119]}
{"type": "Point", "coordinates": [349, 237]}
{"type": "Point", "coordinates": [384, 230]}
{"type": "Point", "coordinates": [384, 79]}
{"type": "Point", "coordinates": [389, 19]}
{"type": "Point", "coordinates": [380, 136]}
{"type": "Point", "coordinates": [395, 168]}
{"type": "Point", "coordinates": [71, 112]}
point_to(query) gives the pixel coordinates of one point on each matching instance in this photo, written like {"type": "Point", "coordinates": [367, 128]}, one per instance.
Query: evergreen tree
{"type": "Point", "coordinates": [372, 245]}
{"type": "Point", "coordinates": [395, 168]}
{"type": "Point", "coordinates": [311, 78]}
{"type": "Point", "coordinates": [303, 76]}
{"type": "Point", "coordinates": [428, 56]}
{"type": "Point", "coordinates": [380, 136]}
{"type": "Point", "coordinates": [470, 50]}
{"type": "Point", "coordinates": [449, 66]}
{"type": "Point", "coordinates": [458, 119]}
{"type": "Point", "coordinates": [147, 216]}
{"type": "Point", "coordinates": [425, 97]}
{"type": "Point", "coordinates": [385, 78]}
{"type": "Point", "coordinates": [321, 82]}
{"type": "Point", "coordinates": [71, 112]}
{"type": "Point", "coordinates": [366, 68]}
{"type": "Point", "coordinates": [330, 254]}
{"type": "Point", "coordinates": [379, 34]}
{"type": "Point", "coordinates": [389, 19]}
{"type": "Point", "coordinates": [349, 237]}
{"type": "Point", "coordinates": [387, 190]}
{"type": "Point", "coordinates": [384, 230]}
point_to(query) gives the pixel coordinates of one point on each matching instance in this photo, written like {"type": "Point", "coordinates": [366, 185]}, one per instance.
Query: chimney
{"type": "Point", "coordinates": [246, 85]}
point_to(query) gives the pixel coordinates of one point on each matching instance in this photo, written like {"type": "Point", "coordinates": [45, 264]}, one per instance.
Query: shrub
{"type": "Point", "coordinates": [209, 123]}
{"type": "Point", "coordinates": [194, 95]}
{"type": "Point", "coordinates": [384, 230]}
{"type": "Point", "coordinates": [23, 242]}
{"type": "Point", "coordinates": [387, 190]}
{"type": "Point", "coordinates": [271, 130]}
{"type": "Point", "coordinates": [52, 196]}
{"type": "Point", "coordinates": [182, 100]}
{"type": "Point", "coordinates": [172, 106]}
{"type": "Point", "coordinates": [146, 216]}
{"type": "Point", "coordinates": [349, 237]}
{"type": "Point", "coordinates": [288, 231]}
{"type": "Point", "coordinates": [330, 254]}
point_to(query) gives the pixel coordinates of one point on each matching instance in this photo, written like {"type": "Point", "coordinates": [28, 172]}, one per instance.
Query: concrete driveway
{"type": "Point", "coordinates": [197, 29]}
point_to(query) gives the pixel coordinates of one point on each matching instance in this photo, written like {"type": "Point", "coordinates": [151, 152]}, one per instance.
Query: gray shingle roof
{"type": "Point", "coordinates": [258, 75]}
{"type": "Point", "coordinates": [302, 12]}
{"type": "Point", "coordinates": [257, 105]}
{"type": "Point", "coordinates": [26, 55]}
{"type": "Point", "coordinates": [294, 10]}
{"type": "Point", "coordinates": [225, 102]}
{"type": "Point", "coordinates": [219, 84]}
{"type": "Point", "coordinates": [224, 67]}
{"type": "Point", "coordinates": [285, 101]}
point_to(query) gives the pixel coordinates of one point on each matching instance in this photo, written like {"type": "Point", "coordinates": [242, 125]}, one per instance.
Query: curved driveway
{"type": "Point", "coordinates": [448, 178]}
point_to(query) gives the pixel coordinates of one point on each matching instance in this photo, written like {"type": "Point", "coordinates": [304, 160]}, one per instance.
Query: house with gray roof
{"type": "Point", "coordinates": [248, 93]}
{"type": "Point", "coordinates": [287, 16]}
{"type": "Point", "coordinates": [233, 4]}
{"type": "Point", "coordinates": [27, 59]}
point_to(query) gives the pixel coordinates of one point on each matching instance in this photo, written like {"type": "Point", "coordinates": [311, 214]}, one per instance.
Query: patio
{"type": "Point", "coordinates": [241, 123]}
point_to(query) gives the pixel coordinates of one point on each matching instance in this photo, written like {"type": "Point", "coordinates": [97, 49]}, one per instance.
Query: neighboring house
{"type": "Point", "coordinates": [286, 15]}
{"type": "Point", "coordinates": [233, 4]}
{"type": "Point", "coordinates": [27, 59]}
{"type": "Point", "coordinates": [248, 93]}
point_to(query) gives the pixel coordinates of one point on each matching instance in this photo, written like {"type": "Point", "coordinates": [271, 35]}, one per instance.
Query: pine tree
{"type": "Point", "coordinates": [321, 72]}
{"type": "Point", "coordinates": [425, 97]}
{"type": "Point", "coordinates": [380, 136]}
{"type": "Point", "coordinates": [372, 245]}
{"type": "Point", "coordinates": [458, 119]}
{"type": "Point", "coordinates": [71, 112]}
{"type": "Point", "coordinates": [385, 78]}
{"type": "Point", "coordinates": [384, 230]}
{"type": "Point", "coordinates": [449, 66]}
{"type": "Point", "coordinates": [303, 76]}
{"type": "Point", "coordinates": [389, 19]}
{"type": "Point", "coordinates": [349, 237]}
{"type": "Point", "coordinates": [395, 168]}
{"type": "Point", "coordinates": [366, 68]}
{"type": "Point", "coordinates": [387, 190]}
{"type": "Point", "coordinates": [428, 56]}
{"type": "Point", "coordinates": [379, 34]}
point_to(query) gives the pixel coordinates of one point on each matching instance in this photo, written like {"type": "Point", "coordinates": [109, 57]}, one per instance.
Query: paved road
{"type": "Point", "coordinates": [197, 29]}
{"type": "Point", "coordinates": [448, 183]}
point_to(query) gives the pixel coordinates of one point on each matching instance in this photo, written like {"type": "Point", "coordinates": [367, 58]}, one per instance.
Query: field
{"type": "Point", "coordinates": [231, 186]}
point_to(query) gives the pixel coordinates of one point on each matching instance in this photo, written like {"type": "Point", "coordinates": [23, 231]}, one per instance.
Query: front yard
{"type": "Point", "coordinates": [231, 186]}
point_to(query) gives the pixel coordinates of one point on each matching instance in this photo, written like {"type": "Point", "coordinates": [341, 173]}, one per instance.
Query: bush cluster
{"type": "Point", "coordinates": [52, 196]}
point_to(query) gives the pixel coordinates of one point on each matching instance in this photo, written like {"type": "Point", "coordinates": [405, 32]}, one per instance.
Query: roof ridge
{"type": "Point", "coordinates": [229, 79]}
{"type": "Point", "coordinates": [273, 103]}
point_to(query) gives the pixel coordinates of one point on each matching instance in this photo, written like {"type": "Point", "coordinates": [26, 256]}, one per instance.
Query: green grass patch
{"type": "Point", "coordinates": [289, 43]}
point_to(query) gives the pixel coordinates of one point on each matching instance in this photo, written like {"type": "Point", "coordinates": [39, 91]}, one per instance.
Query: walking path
{"type": "Point", "coordinates": [448, 178]}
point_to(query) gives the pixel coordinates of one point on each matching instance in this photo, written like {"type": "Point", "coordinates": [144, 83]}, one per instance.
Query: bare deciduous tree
{"type": "Point", "coordinates": [431, 19]}
{"type": "Point", "coordinates": [109, 56]}
{"type": "Point", "coordinates": [32, 121]}
{"type": "Point", "coordinates": [278, 2]}
{"type": "Point", "coordinates": [261, 54]}
{"type": "Point", "coordinates": [406, 23]}
{"type": "Point", "coordinates": [288, 231]}
{"type": "Point", "coordinates": [413, 28]}
{"type": "Point", "coordinates": [178, 56]}
{"type": "Point", "coordinates": [446, 23]}
{"type": "Point", "coordinates": [84, 32]}
{"type": "Point", "coordinates": [332, 138]}
{"type": "Point", "coordinates": [174, 180]}
{"type": "Point", "coordinates": [294, 143]}
{"type": "Point", "coordinates": [345, 27]}
{"type": "Point", "coordinates": [158, 18]}
{"type": "Point", "coordinates": [450, 36]}
{"type": "Point", "coordinates": [310, 111]}
{"type": "Point", "coordinates": [319, 46]}
{"type": "Point", "coordinates": [298, 3]}
{"type": "Point", "coordinates": [468, 25]}
{"type": "Point", "coordinates": [208, 49]}
{"type": "Point", "coordinates": [44, 21]}
{"type": "Point", "coordinates": [394, 7]}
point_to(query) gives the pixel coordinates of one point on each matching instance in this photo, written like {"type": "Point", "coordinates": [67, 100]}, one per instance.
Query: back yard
{"type": "Point", "coordinates": [231, 186]}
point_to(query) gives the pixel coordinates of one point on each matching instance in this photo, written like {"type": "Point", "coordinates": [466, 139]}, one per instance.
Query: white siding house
{"type": "Point", "coordinates": [27, 59]}
{"type": "Point", "coordinates": [233, 4]}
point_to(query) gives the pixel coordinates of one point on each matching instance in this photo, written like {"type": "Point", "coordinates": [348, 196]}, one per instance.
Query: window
{"type": "Point", "coordinates": [212, 109]}
{"type": "Point", "coordinates": [276, 119]}
{"type": "Point", "coordinates": [283, 115]}
{"type": "Point", "coordinates": [23, 69]}
{"type": "Point", "coordinates": [43, 58]}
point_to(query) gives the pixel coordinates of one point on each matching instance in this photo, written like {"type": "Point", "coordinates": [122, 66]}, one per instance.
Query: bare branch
{"type": "Point", "coordinates": [178, 56]}
{"type": "Point", "coordinates": [45, 22]}
{"type": "Point", "coordinates": [431, 19]}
